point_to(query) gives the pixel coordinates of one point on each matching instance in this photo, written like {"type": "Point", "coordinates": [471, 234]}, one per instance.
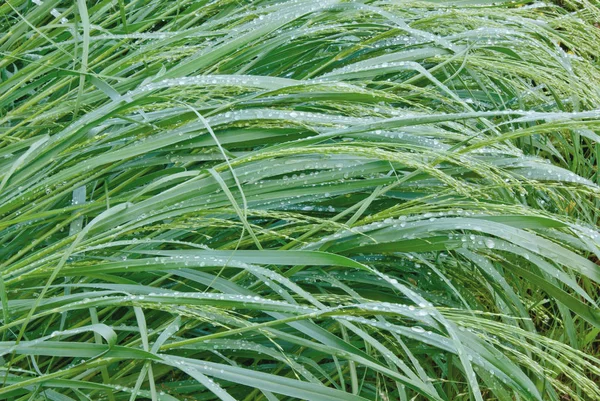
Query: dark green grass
{"type": "Point", "coordinates": [279, 200]}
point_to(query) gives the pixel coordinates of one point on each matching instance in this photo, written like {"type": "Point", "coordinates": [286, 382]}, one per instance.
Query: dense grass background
{"type": "Point", "coordinates": [317, 200]}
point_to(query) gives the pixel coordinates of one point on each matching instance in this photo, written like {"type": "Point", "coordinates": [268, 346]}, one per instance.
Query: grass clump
{"type": "Point", "coordinates": [278, 200]}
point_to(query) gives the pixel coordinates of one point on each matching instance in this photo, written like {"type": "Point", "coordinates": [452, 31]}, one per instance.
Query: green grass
{"type": "Point", "coordinates": [318, 200]}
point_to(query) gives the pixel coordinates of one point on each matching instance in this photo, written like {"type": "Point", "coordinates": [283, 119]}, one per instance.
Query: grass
{"type": "Point", "coordinates": [277, 200]}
